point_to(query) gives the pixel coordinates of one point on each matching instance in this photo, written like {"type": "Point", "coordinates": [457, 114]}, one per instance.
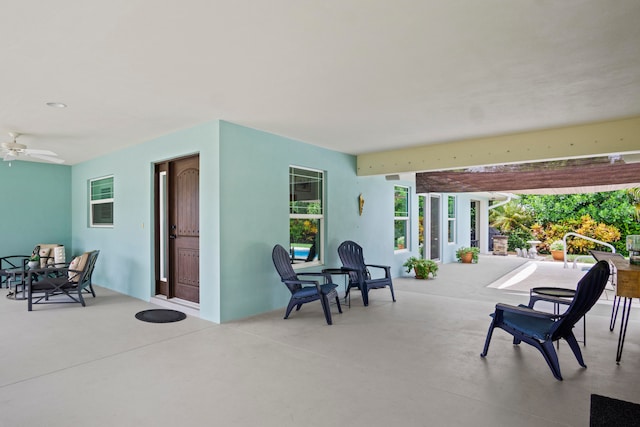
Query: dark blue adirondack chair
{"type": "Point", "coordinates": [301, 294]}
{"type": "Point", "coordinates": [541, 329]}
{"type": "Point", "coordinates": [359, 277]}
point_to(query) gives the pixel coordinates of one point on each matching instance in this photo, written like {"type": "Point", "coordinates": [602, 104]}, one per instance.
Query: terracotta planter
{"type": "Point", "coordinates": [467, 258]}
{"type": "Point", "coordinates": [557, 255]}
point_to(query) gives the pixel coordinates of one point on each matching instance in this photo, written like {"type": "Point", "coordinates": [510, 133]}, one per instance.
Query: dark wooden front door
{"type": "Point", "coordinates": [184, 228]}
{"type": "Point", "coordinates": [178, 228]}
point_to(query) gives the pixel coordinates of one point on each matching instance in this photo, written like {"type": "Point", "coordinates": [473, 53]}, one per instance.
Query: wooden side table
{"type": "Point", "coordinates": [628, 287]}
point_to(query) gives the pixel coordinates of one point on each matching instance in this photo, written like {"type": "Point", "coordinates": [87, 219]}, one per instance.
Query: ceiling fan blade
{"type": "Point", "coordinates": [47, 158]}
{"type": "Point", "coordinates": [42, 152]}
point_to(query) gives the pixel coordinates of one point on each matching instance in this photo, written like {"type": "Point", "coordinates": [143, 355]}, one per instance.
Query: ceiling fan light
{"type": "Point", "coordinates": [12, 150]}
{"type": "Point", "coordinates": [56, 105]}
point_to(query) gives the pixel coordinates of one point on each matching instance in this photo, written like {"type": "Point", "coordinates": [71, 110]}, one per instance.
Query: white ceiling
{"type": "Point", "coordinates": [350, 75]}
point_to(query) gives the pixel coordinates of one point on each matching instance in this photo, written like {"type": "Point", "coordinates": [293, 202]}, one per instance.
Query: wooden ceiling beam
{"type": "Point", "coordinates": [528, 177]}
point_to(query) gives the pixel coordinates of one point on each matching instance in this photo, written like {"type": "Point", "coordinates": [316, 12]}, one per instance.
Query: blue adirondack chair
{"type": "Point", "coordinates": [359, 277]}
{"type": "Point", "coordinates": [301, 294]}
{"type": "Point", "coordinates": [541, 329]}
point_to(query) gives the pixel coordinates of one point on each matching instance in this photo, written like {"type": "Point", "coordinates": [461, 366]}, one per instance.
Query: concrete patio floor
{"type": "Point", "coordinates": [411, 363]}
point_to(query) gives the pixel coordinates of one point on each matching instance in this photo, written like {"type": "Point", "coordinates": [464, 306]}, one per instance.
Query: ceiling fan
{"type": "Point", "coordinates": [12, 150]}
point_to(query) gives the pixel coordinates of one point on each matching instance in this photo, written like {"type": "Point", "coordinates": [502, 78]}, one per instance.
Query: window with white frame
{"type": "Point", "coordinates": [401, 218]}
{"type": "Point", "coordinates": [451, 219]}
{"type": "Point", "coordinates": [101, 202]}
{"type": "Point", "coordinates": [306, 215]}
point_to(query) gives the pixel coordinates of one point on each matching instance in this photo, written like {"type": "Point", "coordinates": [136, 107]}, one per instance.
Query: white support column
{"type": "Point", "coordinates": [483, 225]}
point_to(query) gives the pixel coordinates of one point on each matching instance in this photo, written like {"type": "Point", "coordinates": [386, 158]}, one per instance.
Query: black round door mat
{"type": "Point", "coordinates": [160, 316]}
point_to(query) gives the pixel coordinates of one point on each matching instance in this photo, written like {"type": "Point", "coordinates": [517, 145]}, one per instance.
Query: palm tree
{"type": "Point", "coordinates": [511, 217]}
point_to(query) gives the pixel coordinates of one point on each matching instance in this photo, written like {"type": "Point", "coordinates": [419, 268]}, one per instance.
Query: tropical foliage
{"type": "Point", "coordinates": [634, 199]}
{"type": "Point", "coordinates": [585, 226]}
{"type": "Point", "coordinates": [513, 220]}
{"type": "Point", "coordinates": [606, 216]}
{"type": "Point", "coordinates": [611, 208]}
{"type": "Point", "coordinates": [511, 217]}
{"type": "Point", "coordinates": [518, 239]}
{"type": "Point", "coordinates": [304, 230]}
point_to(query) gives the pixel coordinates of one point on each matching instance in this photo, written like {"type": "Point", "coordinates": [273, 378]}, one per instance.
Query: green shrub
{"type": "Point", "coordinates": [518, 239]}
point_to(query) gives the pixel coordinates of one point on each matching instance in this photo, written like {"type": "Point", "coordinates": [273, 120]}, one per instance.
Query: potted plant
{"type": "Point", "coordinates": [467, 254]}
{"type": "Point", "coordinates": [34, 261]}
{"type": "Point", "coordinates": [421, 267]}
{"type": "Point", "coordinates": [557, 250]}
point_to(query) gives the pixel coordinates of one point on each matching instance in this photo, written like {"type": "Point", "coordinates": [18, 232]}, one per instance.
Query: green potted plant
{"type": "Point", "coordinates": [421, 267]}
{"type": "Point", "coordinates": [557, 250]}
{"type": "Point", "coordinates": [467, 255]}
{"type": "Point", "coordinates": [34, 261]}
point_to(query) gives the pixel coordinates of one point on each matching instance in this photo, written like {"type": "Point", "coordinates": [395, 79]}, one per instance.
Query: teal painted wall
{"type": "Point", "coordinates": [36, 206]}
{"type": "Point", "coordinates": [255, 214]}
{"type": "Point", "coordinates": [244, 193]}
{"type": "Point", "coordinates": [126, 262]}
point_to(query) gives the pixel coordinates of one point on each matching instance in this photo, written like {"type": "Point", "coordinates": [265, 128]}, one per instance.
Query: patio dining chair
{"type": "Point", "coordinates": [540, 329]}
{"type": "Point", "coordinates": [62, 284]}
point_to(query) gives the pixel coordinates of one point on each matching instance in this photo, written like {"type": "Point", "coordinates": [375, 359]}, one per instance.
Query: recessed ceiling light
{"type": "Point", "coordinates": [56, 105]}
